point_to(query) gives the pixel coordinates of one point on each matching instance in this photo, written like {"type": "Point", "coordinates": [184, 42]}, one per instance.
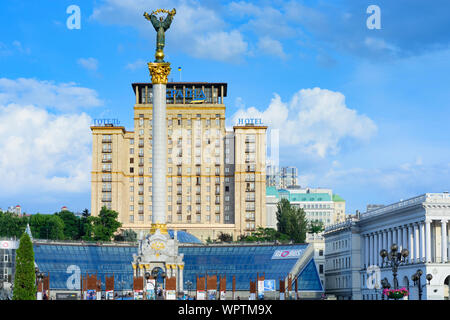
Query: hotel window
{"type": "Point", "coordinates": [131, 218]}
{"type": "Point", "coordinates": [217, 217]}
{"type": "Point", "coordinates": [141, 132]}
{"type": "Point", "coordinates": [131, 150]}
{"type": "Point", "coordinates": [141, 122]}
{"type": "Point", "coordinates": [169, 188]}
{"type": "Point", "coordinates": [131, 188]}
{"type": "Point", "coordinates": [169, 207]}
{"type": "Point", "coordinates": [169, 169]}
{"type": "Point", "coordinates": [131, 141]}
{"type": "Point", "coordinates": [198, 218]}
{"type": "Point", "coordinates": [131, 179]}
{"type": "Point", "coordinates": [169, 122]}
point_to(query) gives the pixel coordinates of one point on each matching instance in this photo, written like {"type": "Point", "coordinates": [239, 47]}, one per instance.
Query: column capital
{"type": "Point", "coordinates": [159, 72]}
{"type": "Point", "coordinates": [428, 220]}
{"type": "Point", "coordinates": [444, 221]}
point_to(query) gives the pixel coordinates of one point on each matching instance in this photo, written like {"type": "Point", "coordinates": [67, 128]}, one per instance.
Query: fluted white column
{"type": "Point", "coordinates": [411, 242]}
{"type": "Point", "coordinates": [428, 240]}
{"type": "Point", "coordinates": [389, 239]}
{"type": "Point", "coordinates": [380, 246]}
{"type": "Point", "coordinates": [385, 240]}
{"type": "Point", "coordinates": [366, 250]}
{"type": "Point", "coordinates": [405, 237]}
{"type": "Point", "coordinates": [444, 240]}
{"type": "Point", "coordinates": [159, 152]}
{"type": "Point", "coordinates": [416, 242]}
{"type": "Point", "coordinates": [399, 238]}
{"type": "Point", "coordinates": [422, 241]}
{"type": "Point", "coordinates": [371, 249]}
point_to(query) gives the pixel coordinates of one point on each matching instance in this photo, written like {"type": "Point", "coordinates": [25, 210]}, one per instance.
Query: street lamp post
{"type": "Point", "coordinates": [394, 259]}
{"type": "Point", "coordinates": [416, 278]}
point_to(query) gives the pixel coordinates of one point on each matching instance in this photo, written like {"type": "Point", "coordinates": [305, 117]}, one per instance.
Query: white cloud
{"type": "Point", "coordinates": [139, 63]}
{"type": "Point", "coordinates": [197, 30]}
{"type": "Point", "coordinates": [44, 154]}
{"type": "Point", "coordinates": [47, 94]}
{"type": "Point", "coordinates": [315, 121]}
{"type": "Point", "coordinates": [90, 64]}
{"type": "Point", "coordinates": [221, 46]}
{"type": "Point", "coordinates": [41, 152]}
{"type": "Point", "coordinates": [271, 47]}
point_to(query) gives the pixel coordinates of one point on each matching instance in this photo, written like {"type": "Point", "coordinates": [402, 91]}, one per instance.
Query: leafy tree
{"type": "Point", "coordinates": [127, 235]}
{"type": "Point", "coordinates": [45, 226]}
{"type": "Point", "coordinates": [316, 226]}
{"type": "Point", "coordinates": [25, 279]}
{"type": "Point", "coordinates": [266, 235]}
{"type": "Point", "coordinates": [11, 225]}
{"type": "Point", "coordinates": [104, 226]}
{"type": "Point", "coordinates": [291, 221]}
{"type": "Point", "coordinates": [225, 237]}
{"type": "Point", "coordinates": [72, 225]}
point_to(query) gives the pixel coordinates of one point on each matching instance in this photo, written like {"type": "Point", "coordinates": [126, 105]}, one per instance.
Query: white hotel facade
{"type": "Point", "coordinates": [418, 224]}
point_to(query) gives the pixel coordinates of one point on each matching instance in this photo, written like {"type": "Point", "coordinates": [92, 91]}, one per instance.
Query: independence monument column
{"type": "Point", "coordinates": [159, 71]}
{"type": "Point", "coordinates": [158, 256]}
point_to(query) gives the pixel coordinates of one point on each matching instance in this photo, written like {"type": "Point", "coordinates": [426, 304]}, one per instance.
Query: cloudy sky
{"type": "Point", "coordinates": [362, 111]}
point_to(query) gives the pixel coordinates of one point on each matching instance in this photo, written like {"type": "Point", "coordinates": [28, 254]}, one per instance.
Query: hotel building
{"type": "Point", "coordinates": [215, 178]}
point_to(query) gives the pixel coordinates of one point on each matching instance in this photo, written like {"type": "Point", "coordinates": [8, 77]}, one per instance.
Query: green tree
{"type": "Point", "coordinates": [72, 225]}
{"type": "Point", "coordinates": [11, 225]}
{"type": "Point", "coordinates": [46, 226]}
{"type": "Point", "coordinates": [25, 278]}
{"type": "Point", "coordinates": [291, 221]}
{"type": "Point", "coordinates": [266, 235]}
{"type": "Point", "coordinates": [126, 235]}
{"type": "Point", "coordinates": [225, 237]}
{"type": "Point", "coordinates": [316, 226]}
{"type": "Point", "coordinates": [105, 225]}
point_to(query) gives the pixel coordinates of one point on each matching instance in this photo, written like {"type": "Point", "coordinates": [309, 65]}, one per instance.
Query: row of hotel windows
{"type": "Point", "coordinates": [180, 218]}
{"type": "Point", "coordinates": [313, 206]}
{"type": "Point", "coordinates": [107, 177]}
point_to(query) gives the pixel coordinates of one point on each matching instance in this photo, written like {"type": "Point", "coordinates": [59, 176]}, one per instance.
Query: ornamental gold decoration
{"type": "Point", "coordinates": [161, 226]}
{"type": "Point", "coordinates": [159, 72]}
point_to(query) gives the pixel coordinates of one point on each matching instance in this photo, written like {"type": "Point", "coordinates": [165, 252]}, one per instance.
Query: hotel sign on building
{"type": "Point", "coordinates": [215, 178]}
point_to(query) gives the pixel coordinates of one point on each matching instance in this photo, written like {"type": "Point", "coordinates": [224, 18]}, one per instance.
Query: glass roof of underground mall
{"type": "Point", "coordinates": [65, 263]}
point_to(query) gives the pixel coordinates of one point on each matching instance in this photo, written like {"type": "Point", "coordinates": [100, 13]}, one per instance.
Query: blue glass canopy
{"type": "Point", "coordinates": [65, 263]}
{"type": "Point", "coordinates": [185, 237]}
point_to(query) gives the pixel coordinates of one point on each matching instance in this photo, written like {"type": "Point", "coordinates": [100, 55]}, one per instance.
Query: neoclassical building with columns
{"type": "Point", "coordinates": [419, 224]}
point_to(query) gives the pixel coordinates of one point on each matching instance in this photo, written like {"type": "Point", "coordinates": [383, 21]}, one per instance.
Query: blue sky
{"type": "Point", "coordinates": [364, 112]}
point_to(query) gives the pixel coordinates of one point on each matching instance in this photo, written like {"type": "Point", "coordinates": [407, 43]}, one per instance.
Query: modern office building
{"type": "Point", "coordinates": [215, 179]}
{"type": "Point", "coordinates": [65, 262]}
{"type": "Point", "coordinates": [317, 203]}
{"type": "Point", "coordinates": [289, 177]}
{"type": "Point", "coordinates": [419, 224]}
{"type": "Point", "coordinates": [281, 178]}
